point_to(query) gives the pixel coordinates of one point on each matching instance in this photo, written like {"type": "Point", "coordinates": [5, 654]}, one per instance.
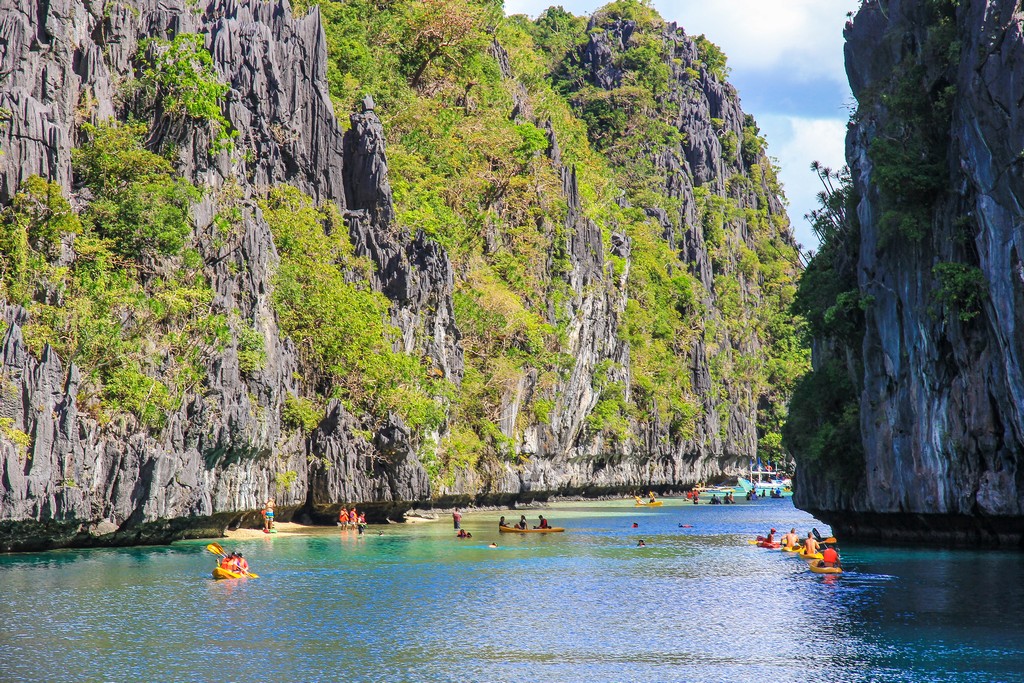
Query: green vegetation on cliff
{"type": "Point", "coordinates": [477, 179]}
{"type": "Point", "coordinates": [557, 194]}
{"type": "Point", "coordinates": [906, 118]}
{"type": "Point", "coordinates": [92, 286]}
{"type": "Point", "coordinates": [324, 303]}
{"type": "Point", "coordinates": [823, 427]}
{"type": "Point", "coordinates": [910, 152]}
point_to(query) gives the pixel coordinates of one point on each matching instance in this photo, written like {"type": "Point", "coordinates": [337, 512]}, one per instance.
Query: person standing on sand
{"type": "Point", "coordinates": [268, 516]}
{"type": "Point", "coordinates": [457, 518]}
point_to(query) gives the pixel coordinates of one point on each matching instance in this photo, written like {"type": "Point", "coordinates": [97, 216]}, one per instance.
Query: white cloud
{"type": "Point", "coordinates": [535, 7]}
{"type": "Point", "coordinates": [796, 142]}
{"type": "Point", "coordinates": [803, 35]}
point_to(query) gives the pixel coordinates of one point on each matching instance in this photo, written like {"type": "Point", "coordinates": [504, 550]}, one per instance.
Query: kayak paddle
{"type": "Point", "coordinates": [831, 540]}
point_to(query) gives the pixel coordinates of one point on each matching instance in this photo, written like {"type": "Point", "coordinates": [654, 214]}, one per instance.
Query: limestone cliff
{"type": "Point", "coordinates": [73, 474]}
{"type": "Point", "coordinates": [935, 357]}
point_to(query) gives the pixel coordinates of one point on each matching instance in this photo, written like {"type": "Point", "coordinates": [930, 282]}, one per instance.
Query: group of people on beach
{"type": "Point", "coordinates": [348, 519]}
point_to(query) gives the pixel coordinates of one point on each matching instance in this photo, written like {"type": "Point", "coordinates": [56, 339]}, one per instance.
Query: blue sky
{"type": "Point", "coordinates": [786, 58]}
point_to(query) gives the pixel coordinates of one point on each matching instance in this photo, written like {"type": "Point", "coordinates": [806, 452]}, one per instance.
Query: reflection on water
{"type": "Point", "coordinates": [696, 604]}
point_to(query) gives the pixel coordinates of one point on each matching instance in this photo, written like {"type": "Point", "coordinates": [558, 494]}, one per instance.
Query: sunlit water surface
{"type": "Point", "coordinates": [696, 604]}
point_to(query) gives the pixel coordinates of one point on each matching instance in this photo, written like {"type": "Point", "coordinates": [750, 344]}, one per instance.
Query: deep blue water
{"type": "Point", "coordinates": [415, 604]}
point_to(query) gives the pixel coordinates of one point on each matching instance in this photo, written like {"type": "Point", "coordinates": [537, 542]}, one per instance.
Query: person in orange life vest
{"type": "Point", "coordinates": [343, 516]}
{"type": "Point", "coordinates": [830, 557]}
{"type": "Point", "coordinates": [353, 517]}
{"type": "Point", "coordinates": [228, 562]}
{"type": "Point", "coordinates": [543, 523]}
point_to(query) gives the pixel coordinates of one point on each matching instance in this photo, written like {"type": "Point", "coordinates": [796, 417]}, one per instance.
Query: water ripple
{"type": "Point", "coordinates": [696, 604]}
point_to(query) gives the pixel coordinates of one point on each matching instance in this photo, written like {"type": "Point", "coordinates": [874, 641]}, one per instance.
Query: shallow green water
{"type": "Point", "coordinates": [415, 604]}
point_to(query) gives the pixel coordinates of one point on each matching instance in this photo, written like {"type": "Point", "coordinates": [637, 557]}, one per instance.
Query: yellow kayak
{"type": "Point", "coordinates": [221, 573]}
{"type": "Point", "coordinates": [654, 504]}
{"type": "Point", "coordinates": [808, 558]}
{"type": "Point", "coordinates": [514, 530]}
{"type": "Point", "coordinates": [818, 567]}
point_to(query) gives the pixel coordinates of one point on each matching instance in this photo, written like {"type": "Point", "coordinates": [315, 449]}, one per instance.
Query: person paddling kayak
{"type": "Point", "coordinates": [810, 545]}
{"type": "Point", "coordinates": [235, 563]}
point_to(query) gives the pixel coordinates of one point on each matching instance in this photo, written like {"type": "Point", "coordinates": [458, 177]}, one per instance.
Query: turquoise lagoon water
{"type": "Point", "coordinates": [697, 604]}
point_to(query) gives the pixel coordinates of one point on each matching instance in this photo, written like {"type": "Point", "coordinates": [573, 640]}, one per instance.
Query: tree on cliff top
{"type": "Point", "coordinates": [436, 32]}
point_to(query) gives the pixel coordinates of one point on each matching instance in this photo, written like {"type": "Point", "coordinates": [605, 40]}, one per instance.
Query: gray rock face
{"type": "Point", "coordinates": [414, 273]}
{"type": "Point", "coordinates": [226, 450]}
{"type": "Point", "coordinates": [942, 405]}
{"type": "Point", "coordinates": [563, 455]}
